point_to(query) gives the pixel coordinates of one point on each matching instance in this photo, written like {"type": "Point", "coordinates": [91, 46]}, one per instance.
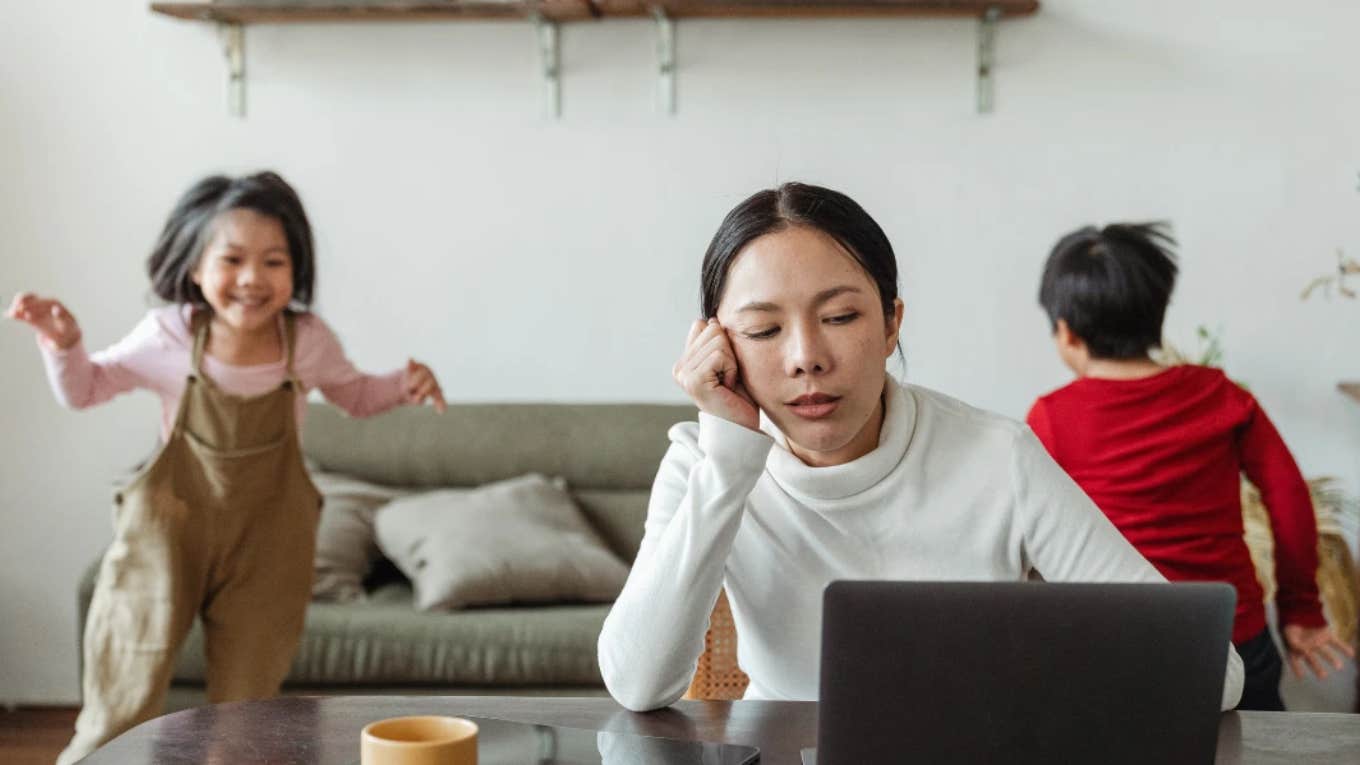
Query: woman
{"type": "Point", "coordinates": [810, 464]}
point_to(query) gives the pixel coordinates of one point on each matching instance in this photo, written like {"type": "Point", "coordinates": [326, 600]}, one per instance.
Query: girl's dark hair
{"type": "Point", "coordinates": [1112, 286]}
{"type": "Point", "coordinates": [799, 204]}
{"type": "Point", "coordinates": [189, 228]}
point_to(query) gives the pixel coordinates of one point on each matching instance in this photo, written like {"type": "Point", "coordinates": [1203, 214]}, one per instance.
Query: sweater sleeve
{"type": "Point", "coordinates": [321, 363]}
{"type": "Point", "coordinates": [652, 638]}
{"type": "Point", "coordinates": [1068, 539]}
{"type": "Point", "coordinates": [1269, 465]}
{"type": "Point", "coordinates": [79, 379]}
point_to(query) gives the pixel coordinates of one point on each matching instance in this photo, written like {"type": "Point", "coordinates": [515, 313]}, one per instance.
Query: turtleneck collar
{"type": "Point", "coordinates": [851, 478]}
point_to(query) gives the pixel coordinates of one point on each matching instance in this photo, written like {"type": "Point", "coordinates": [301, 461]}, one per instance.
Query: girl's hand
{"type": "Point", "coordinates": [420, 386]}
{"type": "Point", "coordinates": [708, 373]}
{"type": "Point", "coordinates": [55, 325]}
{"type": "Point", "coordinates": [1313, 645]}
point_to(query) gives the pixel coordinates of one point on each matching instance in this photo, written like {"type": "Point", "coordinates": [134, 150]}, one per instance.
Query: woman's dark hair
{"type": "Point", "coordinates": [189, 228]}
{"type": "Point", "coordinates": [799, 204]}
{"type": "Point", "coordinates": [1112, 286]}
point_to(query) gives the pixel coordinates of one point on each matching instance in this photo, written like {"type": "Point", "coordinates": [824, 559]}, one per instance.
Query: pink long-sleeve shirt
{"type": "Point", "coordinates": [156, 355]}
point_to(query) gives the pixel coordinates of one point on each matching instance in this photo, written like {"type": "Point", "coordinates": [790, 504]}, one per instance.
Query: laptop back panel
{"type": "Point", "coordinates": [935, 672]}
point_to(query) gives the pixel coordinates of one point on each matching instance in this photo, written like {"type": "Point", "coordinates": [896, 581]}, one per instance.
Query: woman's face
{"type": "Point", "coordinates": [807, 326]}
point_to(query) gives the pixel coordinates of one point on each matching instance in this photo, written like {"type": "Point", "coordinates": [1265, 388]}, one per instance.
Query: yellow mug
{"type": "Point", "coordinates": [426, 740]}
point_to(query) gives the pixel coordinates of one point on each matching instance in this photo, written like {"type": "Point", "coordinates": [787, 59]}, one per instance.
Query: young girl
{"type": "Point", "coordinates": [221, 523]}
{"type": "Point", "coordinates": [810, 464]}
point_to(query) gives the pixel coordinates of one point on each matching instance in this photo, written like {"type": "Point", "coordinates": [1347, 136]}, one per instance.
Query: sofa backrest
{"type": "Point", "coordinates": [608, 453]}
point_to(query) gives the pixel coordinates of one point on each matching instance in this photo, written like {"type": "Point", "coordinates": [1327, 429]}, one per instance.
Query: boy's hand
{"type": "Point", "coordinates": [55, 325]}
{"type": "Point", "coordinates": [1314, 645]}
{"type": "Point", "coordinates": [421, 386]}
{"type": "Point", "coordinates": [709, 374]}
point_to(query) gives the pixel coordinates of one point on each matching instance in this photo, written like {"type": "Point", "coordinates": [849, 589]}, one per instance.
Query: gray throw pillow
{"type": "Point", "coordinates": [517, 541]}
{"type": "Point", "coordinates": [345, 544]}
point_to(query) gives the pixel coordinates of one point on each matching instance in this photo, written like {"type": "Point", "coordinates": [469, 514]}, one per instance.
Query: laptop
{"type": "Point", "coordinates": [1021, 672]}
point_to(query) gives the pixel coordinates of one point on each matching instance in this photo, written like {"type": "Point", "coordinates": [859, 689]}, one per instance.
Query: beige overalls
{"type": "Point", "coordinates": [222, 525]}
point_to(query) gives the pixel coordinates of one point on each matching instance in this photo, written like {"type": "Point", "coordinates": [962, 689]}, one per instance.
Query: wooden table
{"type": "Point", "coordinates": [326, 729]}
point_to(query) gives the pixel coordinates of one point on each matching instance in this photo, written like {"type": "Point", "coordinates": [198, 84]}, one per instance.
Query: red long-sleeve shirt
{"type": "Point", "coordinates": [1163, 456]}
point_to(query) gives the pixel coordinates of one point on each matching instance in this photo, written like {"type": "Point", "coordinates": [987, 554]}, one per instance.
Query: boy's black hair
{"type": "Point", "coordinates": [1112, 286]}
{"type": "Point", "coordinates": [189, 227]}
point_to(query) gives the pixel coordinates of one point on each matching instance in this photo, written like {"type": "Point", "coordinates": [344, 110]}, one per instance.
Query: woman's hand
{"type": "Point", "coordinates": [708, 373]}
{"type": "Point", "coordinates": [420, 386]}
{"type": "Point", "coordinates": [1314, 645]}
{"type": "Point", "coordinates": [54, 324]}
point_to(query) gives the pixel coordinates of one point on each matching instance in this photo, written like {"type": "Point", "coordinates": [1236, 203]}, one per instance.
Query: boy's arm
{"type": "Point", "coordinates": [1269, 465]}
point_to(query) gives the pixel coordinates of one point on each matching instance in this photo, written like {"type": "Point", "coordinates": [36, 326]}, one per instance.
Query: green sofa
{"type": "Point", "coordinates": [608, 453]}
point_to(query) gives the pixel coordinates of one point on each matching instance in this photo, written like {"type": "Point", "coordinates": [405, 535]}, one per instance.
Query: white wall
{"type": "Point", "coordinates": [529, 259]}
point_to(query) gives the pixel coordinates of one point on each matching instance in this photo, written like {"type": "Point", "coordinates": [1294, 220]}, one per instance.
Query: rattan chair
{"type": "Point", "coordinates": [718, 678]}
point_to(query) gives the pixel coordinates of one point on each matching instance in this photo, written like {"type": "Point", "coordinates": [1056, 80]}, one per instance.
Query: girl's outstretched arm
{"type": "Point", "coordinates": [78, 379]}
{"type": "Point", "coordinates": [321, 363]}
{"type": "Point", "coordinates": [421, 386]}
{"type": "Point", "coordinates": [57, 329]}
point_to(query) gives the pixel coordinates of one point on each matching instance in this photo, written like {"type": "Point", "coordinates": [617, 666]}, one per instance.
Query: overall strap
{"type": "Point", "coordinates": [289, 342]}
{"type": "Point", "coordinates": [199, 326]}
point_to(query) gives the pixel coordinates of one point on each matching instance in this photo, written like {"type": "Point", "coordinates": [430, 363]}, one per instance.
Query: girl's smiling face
{"type": "Point", "coordinates": [807, 326]}
{"type": "Point", "coordinates": [246, 271]}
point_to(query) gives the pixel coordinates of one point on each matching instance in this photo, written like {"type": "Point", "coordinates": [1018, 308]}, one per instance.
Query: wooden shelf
{"type": "Point", "coordinates": [1351, 389]}
{"type": "Point", "coordinates": [233, 16]}
{"type": "Point", "coordinates": [284, 11]}
{"type": "Point", "coordinates": [264, 12]}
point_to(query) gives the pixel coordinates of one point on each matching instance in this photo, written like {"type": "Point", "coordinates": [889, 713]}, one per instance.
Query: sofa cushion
{"type": "Point", "coordinates": [595, 447]}
{"type": "Point", "coordinates": [346, 546]}
{"type": "Point", "coordinates": [385, 641]}
{"type": "Point", "coordinates": [517, 541]}
{"type": "Point", "coordinates": [617, 515]}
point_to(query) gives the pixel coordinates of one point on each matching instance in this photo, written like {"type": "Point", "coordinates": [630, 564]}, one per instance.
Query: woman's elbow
{"type": "Point", "coordinates": [641, 697]}
{"type": "Point", "coordinates": [635, 689]}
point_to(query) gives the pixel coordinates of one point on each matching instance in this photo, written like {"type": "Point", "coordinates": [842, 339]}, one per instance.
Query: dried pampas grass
{"type": "Point", "coordinates": [1338, 584]}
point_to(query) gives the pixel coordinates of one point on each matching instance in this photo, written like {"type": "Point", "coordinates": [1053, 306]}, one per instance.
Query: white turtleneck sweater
{"type": "Point", "coordinates": [950, 493]}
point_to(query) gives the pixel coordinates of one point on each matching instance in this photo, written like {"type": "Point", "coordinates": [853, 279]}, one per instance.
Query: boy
{"type": "Point", "coordinates": [1161, 449]}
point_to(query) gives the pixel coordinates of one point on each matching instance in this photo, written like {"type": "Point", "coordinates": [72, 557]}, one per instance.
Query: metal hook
{"type": "Point", "coordinates": [550, 57]}
{"type": "Point", "coordinates": [986, 59]}
{"type": "Point", "coordinates": [665, 56]}
{"type": "Point", "coordinates": [233, 36]}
